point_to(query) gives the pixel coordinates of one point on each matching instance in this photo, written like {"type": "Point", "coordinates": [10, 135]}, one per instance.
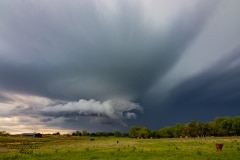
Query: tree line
{"type": "Point", "coordinates": [100, 134]}
{"type": "Point", "coordinates": [220, 126]}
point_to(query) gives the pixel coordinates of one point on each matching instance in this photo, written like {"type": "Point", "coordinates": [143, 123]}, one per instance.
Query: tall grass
{"type": "Point", "coordinates": [127, 149]}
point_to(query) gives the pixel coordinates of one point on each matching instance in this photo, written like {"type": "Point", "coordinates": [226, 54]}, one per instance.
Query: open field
{"type": "Point", "coordinates": [81, 148]}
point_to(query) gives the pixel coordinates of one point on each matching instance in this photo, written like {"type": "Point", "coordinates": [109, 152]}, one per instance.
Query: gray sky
{"type": "Point", "coordinates": [104, 65]}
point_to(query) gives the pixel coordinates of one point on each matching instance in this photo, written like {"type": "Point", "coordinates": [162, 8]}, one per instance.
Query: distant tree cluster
{"type": "Point", "coordinates": [139, 132]}
{"type": "Point", "coordinates": [56, 134]}
{"type": "Point", "coordinates": [100, 134]}
{"type": "Point", "coordinates": [4, 133]}
{"type": "Point", "coordinates": [221, 126]}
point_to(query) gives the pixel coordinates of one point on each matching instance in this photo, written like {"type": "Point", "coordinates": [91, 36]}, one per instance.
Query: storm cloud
{"type": "Point", "coordinates": [87, 63]}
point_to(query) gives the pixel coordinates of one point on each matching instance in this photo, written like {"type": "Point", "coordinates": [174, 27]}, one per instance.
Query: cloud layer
{"type": "Point", "coordinates": [87, 51]}
{"type": "Point", "coordinates": [114, 111]}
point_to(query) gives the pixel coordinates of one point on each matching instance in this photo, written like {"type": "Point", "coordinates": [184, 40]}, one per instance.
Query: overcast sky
{"type": "Point", "coordinates": [105, 65]}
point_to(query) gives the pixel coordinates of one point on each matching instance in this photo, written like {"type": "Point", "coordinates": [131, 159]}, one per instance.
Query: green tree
{"type": "Point", "coordinates": [205, 129]}
{"type": "Point", "coordinates": [227, 126]}
{"type": "Point", "coordinates": [77, 133]}
{"type": "Point", "coordinates": [4, 133]}
{"type": "Point", "coordinates": [236, 126]}
{"type": "Point", "coordinates": [56, 134]}
{"type": "Point", "coordinates": [191, 129]}
{"type": "Point", "coordinates": [85, 133]}
{"type": "Point", "coordinates": [166, 132]}
{"type": "Point", "coordinates": [154, 134]}
{"type": "Point", "coordinates": [144, 132]}
{"type": "Point", "coordinates": [223, 126]}
{"type": "Point", "coordinates": [117, 134]}
{"type": "Point", "coordinates": [212, 129]}
{"type": "Point", "coordinates": [139, 132]}
{"type": "Point", "coordinates": [178, 130]}
{"type": "Point", "coordinates": [133, 132]}
{"type": "Point", "coordinates": [202, 129]}
{"type": "Point", "coordinates": [125, 134]}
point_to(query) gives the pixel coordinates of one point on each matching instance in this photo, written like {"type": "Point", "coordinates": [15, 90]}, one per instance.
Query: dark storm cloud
{"type": "Point", "coordinates": [101, 113]}
{"type": "Point", "coordinates": [4, 99]}
{"type": "Point", "coordinates": [215, 91]}
{"type": "Point", "coordinates": [215, 88]}
{"type": "Point", "coordinates": [88, 53]}
{"type": "Point", "coordinates": [94, 65]}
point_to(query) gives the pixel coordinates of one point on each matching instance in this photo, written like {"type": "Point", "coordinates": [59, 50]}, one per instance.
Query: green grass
{"type": "Point", "coordinates": [71, 148]}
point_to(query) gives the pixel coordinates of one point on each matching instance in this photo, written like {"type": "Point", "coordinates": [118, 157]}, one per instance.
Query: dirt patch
{"type": "Point", "coordinates": [15, 142]}
{"type": "Point", "coordinates": [5, 150]}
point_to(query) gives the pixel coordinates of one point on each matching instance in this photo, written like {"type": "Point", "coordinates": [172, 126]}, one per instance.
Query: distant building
{"type": "Point", "coordinates": [39, 135]}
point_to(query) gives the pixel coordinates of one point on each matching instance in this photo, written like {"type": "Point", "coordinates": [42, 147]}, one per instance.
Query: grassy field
{"type": "Point", "coordinates": [81, 148]}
